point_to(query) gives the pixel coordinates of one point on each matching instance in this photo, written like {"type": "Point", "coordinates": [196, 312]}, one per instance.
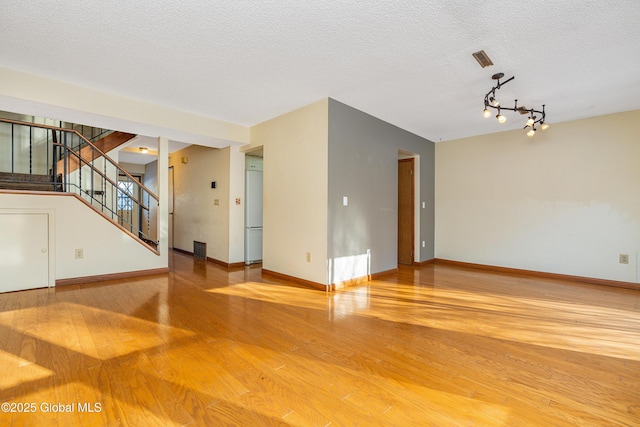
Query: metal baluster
{"type": "Point", "coordinates": [63, 157]}
{"type": "Point", "coordinates": [30, 153]}
{"type": "Point", "coordinates": [148, 216]}
{"type": "Point", "coordinates": [102, 185]}
{"type": "Point", "coordinates": [93, 164]}
{"type": "Point", "coordinates": [12, 151]}
{"type": "Point", "coordinates": [80, 171]}
{"type": "Point", "coordinates": [53, 175]}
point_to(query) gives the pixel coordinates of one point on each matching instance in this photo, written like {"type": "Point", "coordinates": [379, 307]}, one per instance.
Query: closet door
{"type": "Point", "coordinates": [24, 251]}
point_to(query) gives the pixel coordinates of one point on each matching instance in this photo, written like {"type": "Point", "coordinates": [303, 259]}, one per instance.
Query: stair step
{"type": "Point", "coordinates": [30, 186]}
{"type": "Point", "coordinates": [24, 177]}
{"type": "Point", "coordinates": [27, 182]}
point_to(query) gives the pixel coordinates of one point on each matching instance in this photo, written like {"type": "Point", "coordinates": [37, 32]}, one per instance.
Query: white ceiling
{"type": "Point", "coordinates": [406, 62]}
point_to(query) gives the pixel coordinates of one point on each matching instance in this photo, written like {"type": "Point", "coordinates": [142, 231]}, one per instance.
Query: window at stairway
{"type": "Point", "coordinates": [124, 200]}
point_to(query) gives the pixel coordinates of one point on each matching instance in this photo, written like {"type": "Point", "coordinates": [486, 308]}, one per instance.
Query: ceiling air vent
{"type": "Point", "coordinates": [482, 58]}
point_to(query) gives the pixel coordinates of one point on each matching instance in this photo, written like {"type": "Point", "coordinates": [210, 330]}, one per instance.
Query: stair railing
{"type": "Point", "coordinates": [82, 169]}
{"type": "Point", "coordinates": [91, 133]}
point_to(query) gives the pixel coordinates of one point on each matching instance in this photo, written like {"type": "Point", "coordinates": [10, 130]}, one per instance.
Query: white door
{"type": "Point", "coordinates": [24, 251]}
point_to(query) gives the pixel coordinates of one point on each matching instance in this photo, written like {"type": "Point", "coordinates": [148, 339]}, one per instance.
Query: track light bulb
{"type": "Point", "coordinates": [501, 118]}
{"type": "Point", "coordinates": [530, 121]}
{"type": "Point", "coordinates": [531, 132]}
{"type": "Point", "coordinates": [486, 113]}
{"type": "Point", "coordinates": [544, 126]}
{"type": "Point", "coordinates": [494, 101]}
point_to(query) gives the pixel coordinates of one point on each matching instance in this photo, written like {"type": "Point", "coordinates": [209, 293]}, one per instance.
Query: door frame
{"type": "Point", "coordinates": [411, 243]}
{"type": "Point", "coordinates": [259, 153]}
{"type": "Point", "coordinates": [417, 242]}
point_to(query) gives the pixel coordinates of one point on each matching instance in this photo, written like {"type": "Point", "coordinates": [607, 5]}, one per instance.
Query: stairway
{"type": "Point", "coordinates": [105, 144]}
{"type": "Point", "coordinates": [45, 158]}
{"type": "Point", "coordinates": [27, 182]}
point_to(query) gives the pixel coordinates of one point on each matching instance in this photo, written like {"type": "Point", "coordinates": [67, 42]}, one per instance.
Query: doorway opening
{"type": "Point", "coordinates": [408, 208]}
{"type": "Point", "coordinates": [129, 212]}
{"type": "Point", "coordinates": [254, 168]}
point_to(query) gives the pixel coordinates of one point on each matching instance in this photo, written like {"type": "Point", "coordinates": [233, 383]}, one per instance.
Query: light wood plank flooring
{"type": "Point", "coordinates": [436, 345]}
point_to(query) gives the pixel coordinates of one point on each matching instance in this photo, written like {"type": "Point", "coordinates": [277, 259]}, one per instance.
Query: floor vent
{"type": "Point", "coordinates": [200, 250]}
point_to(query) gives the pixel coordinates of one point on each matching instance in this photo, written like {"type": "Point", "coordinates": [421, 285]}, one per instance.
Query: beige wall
{"type": "Point", "coordinates": [44, 97]}
{"type": "Point", "coordinates": [196, 214]}
{"type": "Point", "coordinates": [236, 211]}
{"type": "Point", "coordinates": [565, 201]}
{"type": "Point", "coordinates": [150, 180]}
{"type": "Point", "coordinates": [295, 191]}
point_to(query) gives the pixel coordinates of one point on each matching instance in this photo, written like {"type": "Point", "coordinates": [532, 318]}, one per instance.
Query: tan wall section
{"type": "Point", "coordinates": [565, 201]}
{"type": "Point", "coordinates": [295, 191]}
{"type": "Point", "coordinates": [45, 97]}
{"type": "Point", "coordinates": [196, 214]}
{"type": "Point", "coordinates": [236, 211]}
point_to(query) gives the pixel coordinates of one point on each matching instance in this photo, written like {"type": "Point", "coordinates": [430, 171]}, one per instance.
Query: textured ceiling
{"type": "Point", "coordinates": [406, 62]}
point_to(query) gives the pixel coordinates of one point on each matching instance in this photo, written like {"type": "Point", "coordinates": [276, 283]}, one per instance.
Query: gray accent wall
{"type": "Point", "coordinates": [363, 166]}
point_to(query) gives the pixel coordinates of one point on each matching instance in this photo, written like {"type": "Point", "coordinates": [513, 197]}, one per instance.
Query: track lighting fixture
{"type": "Point", "coordinates": [536, 117]}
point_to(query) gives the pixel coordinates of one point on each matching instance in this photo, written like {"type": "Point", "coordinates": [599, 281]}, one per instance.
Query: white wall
{"type": "Point", "coordinates": [565, 201]}
{"type": "Point", "coordinates": [44, 97]}
{"type": "Point", "coordinates": [196, 214]}
{"type": "Point", "coordinates": [106, 248]}
{"type": "Point", "coordinates": [236, 211]}
{"type": "Point", "coordinates": [150, 180]}
{"type": "Point", "coordinates": [295, 191]}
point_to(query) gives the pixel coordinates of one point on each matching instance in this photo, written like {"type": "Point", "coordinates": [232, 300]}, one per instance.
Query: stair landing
{"type": "Point", "coordinates": [27, 182]}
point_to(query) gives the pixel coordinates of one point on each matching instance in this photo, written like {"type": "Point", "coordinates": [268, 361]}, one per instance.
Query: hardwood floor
{"type": "Point", "coordinates": [435, 345]}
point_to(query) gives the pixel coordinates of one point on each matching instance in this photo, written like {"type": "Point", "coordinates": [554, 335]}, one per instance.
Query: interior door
{"type": "Point", "coordinates": [24, 251]}
{"type": "Point", "coordinates": [405, 211]}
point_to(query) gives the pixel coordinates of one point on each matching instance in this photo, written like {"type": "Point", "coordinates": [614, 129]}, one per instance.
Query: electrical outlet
{"type": "Point", "coordinates": [624, 259]}
{"type": "Point", "coordinates": [308, 256]}
{"type": "Point", "coordinates": [79, 253]}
